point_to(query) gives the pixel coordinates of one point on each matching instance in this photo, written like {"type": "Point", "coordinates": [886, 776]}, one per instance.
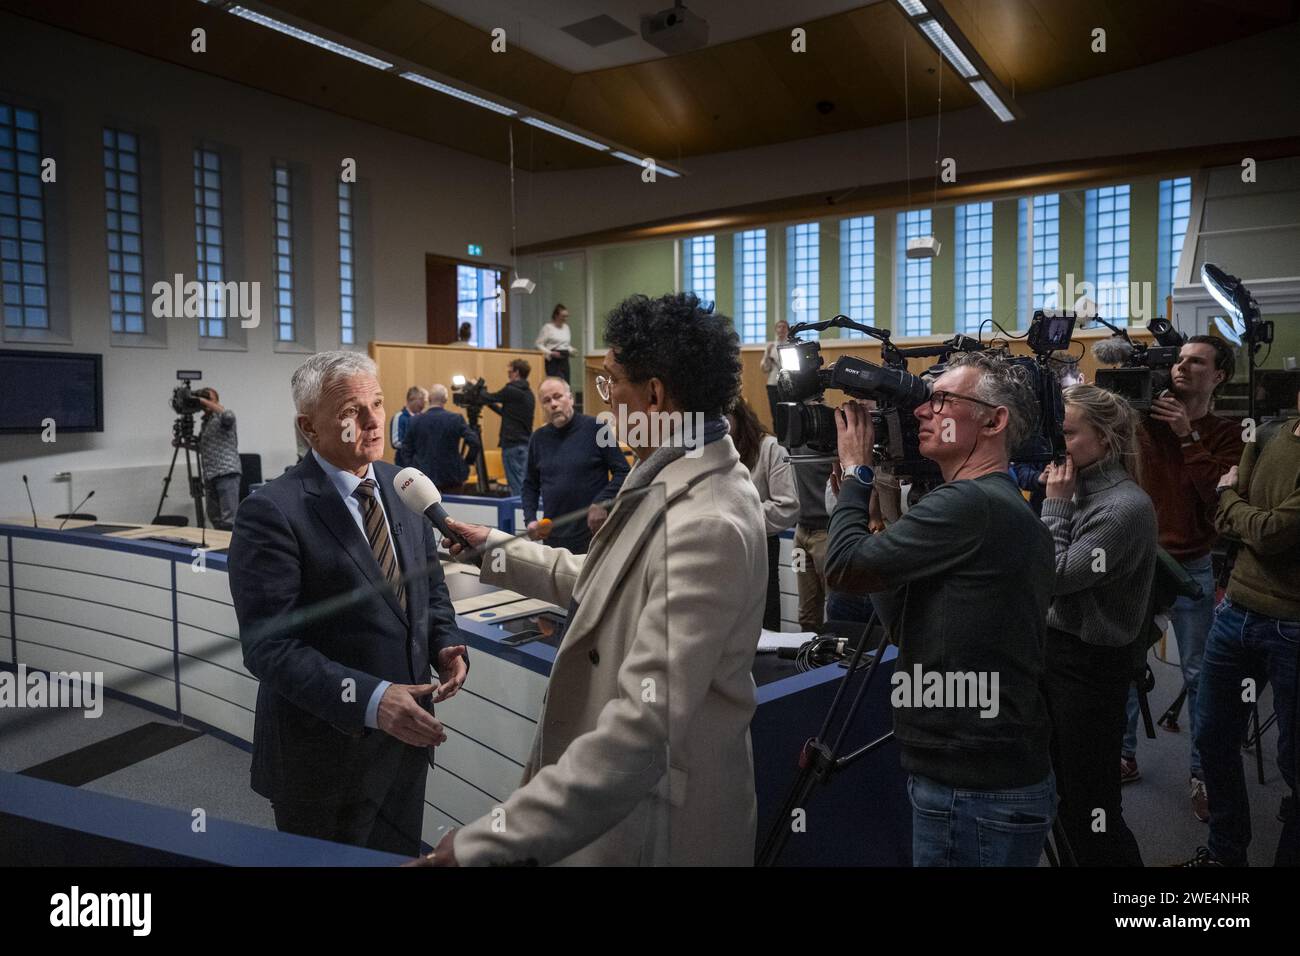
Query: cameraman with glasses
{"type": "Point", "coordinates": [962, 581]}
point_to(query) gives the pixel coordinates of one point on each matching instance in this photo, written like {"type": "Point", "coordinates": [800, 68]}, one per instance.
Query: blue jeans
{"type": "Point", "coordinates": [1242, 645]}
{"type": "Point", "coordinates": [515, 461]}
{"type": "Point", "coordinates": [1191, 620]}
{"type": "Point", "coordinates": [952, 827]}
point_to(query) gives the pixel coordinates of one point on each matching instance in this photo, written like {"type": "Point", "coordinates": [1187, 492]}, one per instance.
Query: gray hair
{"type": "Point", "coordinates": [555, 378]}
{"type": "Point", "coordinates": [438, 394]}
{"type": "Point", "coordinates": [322, 370]}
{"type": "Point", "coordinates": [1004, 383]}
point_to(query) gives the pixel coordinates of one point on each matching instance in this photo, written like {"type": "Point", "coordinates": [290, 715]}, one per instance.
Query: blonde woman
{"type": "Point", "coordinates": [1104, 527]}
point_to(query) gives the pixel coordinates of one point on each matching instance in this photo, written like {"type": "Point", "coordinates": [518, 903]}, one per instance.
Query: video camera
{"type": "Point", "coordinates": [185, 401]}
{"type": "Point", "coordinates": [468, 394]}
{"type": "Point", "coordinates": [1145, 371]}
{"type": "Point", "coordinates": [805, 419]}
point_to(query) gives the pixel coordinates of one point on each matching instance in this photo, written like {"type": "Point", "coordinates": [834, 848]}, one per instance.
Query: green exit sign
{"type": "Point", "coordinates": [475, 250]}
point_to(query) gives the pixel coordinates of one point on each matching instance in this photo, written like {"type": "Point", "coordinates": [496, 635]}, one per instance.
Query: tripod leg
{"type": "Point", "coordinates": [167, 481]}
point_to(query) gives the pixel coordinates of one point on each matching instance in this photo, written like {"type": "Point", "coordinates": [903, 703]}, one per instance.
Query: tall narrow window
{"type": "Point", "coordinates": [476, 302]}
{"type": "Point", "coordinates": [914, 275]}
{"type": "Point", "coordinates": [282, 219]}
{"type": "Point", "coordinates": [1106, 249]}
{"type": "Point", "coordinates": [1046, 252]}
{"type": "Point", "coordinates": [803, 248]}
{"type": "Point", "coordinates": [858, 272]}
{"type": "Point", "coordinates": [700, 268]}
{"type": "Point", "coordinates": [974, 258]}
{"type": "Point", "coordinates": [208, 241]}
{"type": "Point", "coordinates": [751, 285]}
{"type": "Point", "coordinates": [25, 289]}
{"type": "Point", "coordinates": [347, 293]}
{"type": "Point", "coordinates": [1175, 213]}
{"type": "Point", "coordinates": [125, 234]}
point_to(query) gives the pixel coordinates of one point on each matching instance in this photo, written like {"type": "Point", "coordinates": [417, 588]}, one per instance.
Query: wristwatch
{"type": "Point", "coordinates": [1190, 438]}
{"type": "Point", "coordinates": [863, 474]}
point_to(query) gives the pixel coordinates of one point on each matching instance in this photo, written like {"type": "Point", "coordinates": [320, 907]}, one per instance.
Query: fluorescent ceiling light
{"type": "Point", "coordinates": [567, 134]}
{"type": "Point", "coordinates": [459, 94]}
{"type": "Point", "coordinates": [951, 52]}
{"type": "Point", "coordinates": [985, 92]}
{"type": "Point", "coordinates": [312, 38]}
{"type": "Point", "coordinates": [913, 8]}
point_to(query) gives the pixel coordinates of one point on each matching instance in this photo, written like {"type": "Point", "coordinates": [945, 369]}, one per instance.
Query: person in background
{"type": "Point", "coordinates": [416, 399]}
{"type": "Point", "coordinates": [808, 558]}
{"type": "Point", "coordinates": [1104, 528]}
{"type": "Point", "coordinates": [555, 342]}
{"type": "Point", "coordinates": [1254, 639]}
{"type": "Point", "coordinates": [570, 468]}
{"type": "Point", "coordinates": [515, 404]}
{"type": "Point", "coordinates": [219, 452]}
{"type": "Point", "coordinates": [769, 466]}
{"type": "Point", "coordinates": [772, 366]}
{"type": "Point", "coordinates": [433, 440]}
{"type": "Point", "coordinates": [1186, 448]}
{"type": "Point", "coordinates": [463, 336]}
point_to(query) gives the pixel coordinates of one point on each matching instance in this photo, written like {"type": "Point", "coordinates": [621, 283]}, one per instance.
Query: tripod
{"type": "Point", "coordinates": [183, 437]}
{"type": "Point", "coordinates": [818, 762]}
{"type": "Point", "coordinates": [474, 413]}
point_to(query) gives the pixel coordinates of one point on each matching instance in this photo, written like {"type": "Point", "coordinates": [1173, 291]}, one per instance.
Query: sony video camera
{"type": "Point", "coordinates": [1145, 371]}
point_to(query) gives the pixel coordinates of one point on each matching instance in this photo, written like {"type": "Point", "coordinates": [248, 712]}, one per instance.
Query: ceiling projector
{"type": "Point", "coordinates": [675, 31]}
{"type": "Point", "coordinates": [923, 247]}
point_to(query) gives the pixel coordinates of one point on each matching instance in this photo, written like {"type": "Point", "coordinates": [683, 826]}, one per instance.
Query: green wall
{"type": "Point", "coordinates": [1286, 339]}
{"type": "Point", "coordinates": [620, 271]}
{"type": "Point", "coordinates": [1006, 264]}
{"type": "Point", "coordinates": [943, 273]}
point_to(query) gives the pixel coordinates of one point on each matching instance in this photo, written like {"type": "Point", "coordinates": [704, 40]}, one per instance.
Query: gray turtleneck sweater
{"type": "Point", "coordinates": [1105, 557]}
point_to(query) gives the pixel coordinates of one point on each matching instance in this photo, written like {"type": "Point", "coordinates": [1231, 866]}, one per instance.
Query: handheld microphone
{"type": "Point", "coordinates": [75, 510]}
{"type": "Point", "coordinates": [1112, 351]}
{"type": "Point", "coordinates": [421, 495]}
{"type": "Point", "coordinates": [30, 504]}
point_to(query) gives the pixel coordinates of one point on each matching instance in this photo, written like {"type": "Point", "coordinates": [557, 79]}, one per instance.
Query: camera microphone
{"type": "Point", "coordinates": [75, 510]}
{"type": "Point", "coordinates": [421, 495]}
{"type": "Point", "coordinates": [30, 503]}
{"type": "Point", "coordinates": [1112, 351]}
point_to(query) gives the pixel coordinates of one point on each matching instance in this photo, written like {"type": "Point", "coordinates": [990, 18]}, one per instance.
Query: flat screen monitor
{"type": "Point", "coordinates": [67, 387]}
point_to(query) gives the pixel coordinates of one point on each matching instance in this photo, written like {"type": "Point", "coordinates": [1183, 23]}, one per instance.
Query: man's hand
{"type": "Point", "coordinates": [597, 514]}
{"type": "Point", "coordinates": [401, 716]}
{"type": "Point", "coordinates": [452, 668]}
{"type": "Point", "coordinates": [854, 435]}
{"type": "Point", "coordinates": [1228, 480]}
{"type": "Point", "coordinates": [444, 854]}
{"type": "Point", "coordinates": [539, 530]}
{"type": "Point", "coordinates": [475, 534]}
{"type": "Point", "coordinates": [1173, 413]}
{"type": "Point", "coordinates": [1060, 479]}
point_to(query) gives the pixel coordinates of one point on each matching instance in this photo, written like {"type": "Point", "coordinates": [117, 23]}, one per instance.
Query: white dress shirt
{"type": "Point", "coordinates": [555, 338]}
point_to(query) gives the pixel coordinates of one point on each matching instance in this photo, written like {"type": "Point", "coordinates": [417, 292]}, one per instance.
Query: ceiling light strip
{"type": "Point", "coordinates": [566, 133]}
{"type": "Point", "coordinates": [312, 38]}
{"type": "Point", "coordinates": [458, 93]}
{"type": "Point", "coordinates": [992, 101]}
{"type": "Point", "coordinates": [951, 52]}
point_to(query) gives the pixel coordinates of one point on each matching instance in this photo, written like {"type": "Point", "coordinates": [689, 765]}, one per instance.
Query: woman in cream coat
{"type": "Point", "coordinates": [642, 754]}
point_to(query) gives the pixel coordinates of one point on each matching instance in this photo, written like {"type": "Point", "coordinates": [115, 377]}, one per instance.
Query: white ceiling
{"type": "Point", "coordinates": [536, 25]}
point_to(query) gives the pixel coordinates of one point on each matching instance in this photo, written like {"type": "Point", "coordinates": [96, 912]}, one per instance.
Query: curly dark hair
{"type": "Point", "coordinates": [693, 350]}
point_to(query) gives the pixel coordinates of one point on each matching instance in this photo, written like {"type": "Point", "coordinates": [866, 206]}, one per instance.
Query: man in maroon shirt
{"type": "Point", "coordinates": [1185, 449]}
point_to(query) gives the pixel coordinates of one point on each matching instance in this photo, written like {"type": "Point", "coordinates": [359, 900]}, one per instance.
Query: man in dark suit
{"type": "Point", "coordinates": [434, 438]}
{"type": "Point", "coordinates": [345, 725]}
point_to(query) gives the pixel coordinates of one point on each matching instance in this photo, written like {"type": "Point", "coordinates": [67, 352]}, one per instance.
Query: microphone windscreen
{"type": "Point", "coordinates": [1112, 351]}
{"type": "Point", "coordinates": [416, 489]}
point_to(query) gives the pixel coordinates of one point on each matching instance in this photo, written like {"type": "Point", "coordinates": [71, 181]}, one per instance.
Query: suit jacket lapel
{"type": "Point", "coordinates": [334, 515]}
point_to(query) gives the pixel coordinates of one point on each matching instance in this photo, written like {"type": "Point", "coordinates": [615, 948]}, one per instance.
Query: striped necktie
{"type": "Point", "coordinates": [381, 546]}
